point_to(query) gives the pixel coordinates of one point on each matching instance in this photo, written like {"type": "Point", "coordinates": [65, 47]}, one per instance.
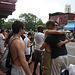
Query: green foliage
{"type": "Point", "coordinates": [12, 20]}
{"type": "Point", "coordinates": [61, 27]}
{"type": "Point", "coordinates": [1, 23]}
{"type": "Point", "coordinates": [7, 25]}
{"type": "Point", "coordinates": [39, 22]}
{"type": "Point", "coordinates": [31, 21]}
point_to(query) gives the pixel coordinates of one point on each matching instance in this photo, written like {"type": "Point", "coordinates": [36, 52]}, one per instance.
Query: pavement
{"type": "Point", "coordinates": [73, 40]}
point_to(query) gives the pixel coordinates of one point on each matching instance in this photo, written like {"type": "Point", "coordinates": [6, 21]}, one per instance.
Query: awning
{"type": "Point", "coordinates": [69, 26]}
{"type": "Point", "coordinates": [7, 7]}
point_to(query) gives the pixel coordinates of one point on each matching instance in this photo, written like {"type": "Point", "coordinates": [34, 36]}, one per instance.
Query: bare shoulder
{"type": "Point", "coordinates": [17, 43]}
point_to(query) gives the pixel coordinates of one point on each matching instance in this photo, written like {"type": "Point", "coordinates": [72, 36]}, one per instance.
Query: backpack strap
{"type": "Point", "coordinates": [10, 52]}
{"type": "Point", "coordinates": [12, 41]}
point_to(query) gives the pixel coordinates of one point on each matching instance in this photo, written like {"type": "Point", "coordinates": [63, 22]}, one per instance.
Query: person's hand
{"type": "Point", "coordinates": [60, 43]}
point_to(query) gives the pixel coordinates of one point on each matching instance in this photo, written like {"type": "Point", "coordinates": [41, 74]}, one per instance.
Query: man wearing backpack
{"type": "Point", "coordinates": [17, 49]}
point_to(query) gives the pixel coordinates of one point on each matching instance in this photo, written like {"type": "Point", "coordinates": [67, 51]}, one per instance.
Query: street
{"type": "Point", "coordinates": [71, 51]}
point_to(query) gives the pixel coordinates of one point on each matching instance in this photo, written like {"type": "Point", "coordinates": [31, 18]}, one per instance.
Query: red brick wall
{"type": "Point", "coordinates": [68, 17]}
{"type": "Point", "coordinates": [71, 16]}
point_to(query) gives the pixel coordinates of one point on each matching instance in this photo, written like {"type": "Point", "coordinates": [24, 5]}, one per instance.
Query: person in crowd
{"type": "Point", "coordinates": [58, 49]}
{"type": "Point", "coordinates": [17, 49]}
{"type": "Point", "coordinates": [23, 36]}
{"type": "Point", "coordinates": [28, 44]}
{"type": "Point", "coordinates": [6, 41]}
{"type": "Point", "coordinates": [74, 33]}
{"type": "Point", "coordinates": [72, 69]}
{"type": "Point", "coordinates": [2, 41]}
{"type": "Point", "coordinates": [39, 39]}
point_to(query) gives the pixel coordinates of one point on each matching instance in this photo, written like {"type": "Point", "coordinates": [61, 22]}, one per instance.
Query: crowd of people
{"type": "Point", "coordinates": [40, 53]}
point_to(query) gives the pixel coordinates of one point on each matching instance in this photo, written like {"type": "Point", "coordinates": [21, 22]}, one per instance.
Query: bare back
{"type": "Point", "coordinates": [16, 48]}
{"type": "Point", "coordinates": [47, 48]}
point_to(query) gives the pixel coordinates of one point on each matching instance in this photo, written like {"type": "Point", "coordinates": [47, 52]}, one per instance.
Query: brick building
{"type": "Point", "coordinates": [61, 18]}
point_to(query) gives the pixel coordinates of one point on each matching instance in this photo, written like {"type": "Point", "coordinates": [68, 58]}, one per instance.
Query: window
{"type": "Point", "coordinates": [65, 19]}
{"type": "Point", "coordinates": [60, 19]}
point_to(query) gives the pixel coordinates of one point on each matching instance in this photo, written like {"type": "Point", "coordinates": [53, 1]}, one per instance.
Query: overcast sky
{"type": "Point", "coordinates": [41, 8]}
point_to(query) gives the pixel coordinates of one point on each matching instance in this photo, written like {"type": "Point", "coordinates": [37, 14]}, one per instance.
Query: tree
{"type": "Point", "coordinates": [39, 22]}
{"type": "Point", "coordinates": [30, 20]}
{"type": "Point", "coordinates": [1, 23]}
{"type": "Point", "coordinates": [9, 23]}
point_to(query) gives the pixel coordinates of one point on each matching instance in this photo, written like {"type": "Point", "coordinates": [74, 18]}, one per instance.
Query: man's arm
{"type": "Point", "coordinates": [67, 38]}
{"type": "Point", "coordinates": [63, 42]}
{"type": "Point", "coordinates": [29, 44]}
{"type": "Point", "coordinates": [43, 46]}
{"type": "Point", "coordinates": [21, 54]}
{"type": "Point", "coordinates": [54, 32]}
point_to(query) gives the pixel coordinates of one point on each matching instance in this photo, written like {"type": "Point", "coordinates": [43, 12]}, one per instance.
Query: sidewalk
{"type": "Point", "coordinates": [73, 40]}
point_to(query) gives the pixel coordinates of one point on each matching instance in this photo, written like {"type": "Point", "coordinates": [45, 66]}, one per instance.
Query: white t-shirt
{"type": "Point", "coordinates": [27, 49]}
{"type": "Point", "coordinates": [71, 69]}
{"type": "Point", "coordinates": [21, 39]}
{"type": "Point", "coordinates": [1, 43]}
{"type": "Point", "coordinates": [39, 39]}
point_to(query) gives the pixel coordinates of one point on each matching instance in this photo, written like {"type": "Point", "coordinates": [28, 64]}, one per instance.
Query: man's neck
{"type": "Point", "coordinates": [16, 35]}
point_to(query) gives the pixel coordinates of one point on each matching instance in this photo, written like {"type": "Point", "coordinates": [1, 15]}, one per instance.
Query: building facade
{"type": "Point", "coordinates": [67, 8]}
{"type": "Point", "coordinates": [61, 18]}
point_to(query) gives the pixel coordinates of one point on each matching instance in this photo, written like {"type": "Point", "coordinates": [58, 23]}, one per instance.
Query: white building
{"type": "Point", "coordinates": [67, 8]}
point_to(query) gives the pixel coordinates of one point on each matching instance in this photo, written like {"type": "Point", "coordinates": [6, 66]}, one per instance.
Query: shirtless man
{"type": "Point", "coordinates": [17, 49]}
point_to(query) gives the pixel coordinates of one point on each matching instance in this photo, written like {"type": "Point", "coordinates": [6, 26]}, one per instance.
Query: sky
{"type": "Point", "coordinates": [41, 8]}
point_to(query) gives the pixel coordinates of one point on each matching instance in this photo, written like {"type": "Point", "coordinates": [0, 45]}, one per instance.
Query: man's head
{"type": "Point", "coordinates": [50, 25]}
{"type": "Point", "coordinates": [56, 25]}
{"type": "Point", "coordinates": [40, 28]}
{"type": "Point", "coordinates": [3, 31]}
{"type": "Point", "coordinates": [17, 26]}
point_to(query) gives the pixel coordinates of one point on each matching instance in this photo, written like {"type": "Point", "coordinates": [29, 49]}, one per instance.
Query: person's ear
{"type": "Point", "coordinates": [20, 29]}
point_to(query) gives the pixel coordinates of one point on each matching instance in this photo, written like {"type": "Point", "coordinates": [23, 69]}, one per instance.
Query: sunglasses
{"type": "Point", "coordinates": [56, 25]}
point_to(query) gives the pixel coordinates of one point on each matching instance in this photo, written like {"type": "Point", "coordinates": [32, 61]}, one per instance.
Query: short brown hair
{"type": "Point", "coordinates": [17, 25]}
{"type": "Point", "coordinates": [50, 22]}
{"type": "Point", "coordinates": [40, 28]}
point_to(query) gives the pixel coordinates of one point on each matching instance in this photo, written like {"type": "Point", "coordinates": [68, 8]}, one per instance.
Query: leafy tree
{"type": "Point", "coordinates": [12, 20]}
{"type": "Point", "coordinates": [39, 22]}
{"type": "Point", "coordinates": [9, 23]}
{"type": "Point", "coordinates": [1, 23]}
{"type": "Point", "coordinates": [30, 20]}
